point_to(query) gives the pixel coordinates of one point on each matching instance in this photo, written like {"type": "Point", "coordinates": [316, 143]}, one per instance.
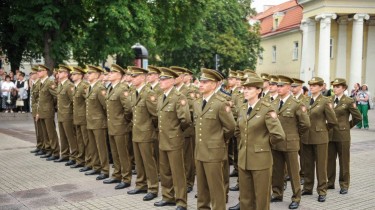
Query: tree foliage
{"type": "Point", "coordinates": [176, 32]}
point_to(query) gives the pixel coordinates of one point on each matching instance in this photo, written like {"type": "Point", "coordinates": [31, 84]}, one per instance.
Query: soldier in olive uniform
{"type": "Point", "coordinates": [45, 112]}
{"type": "Point", "coordinates": [266, 84]}
{"type": "Point", "coordinates": [79, 120]}
{"type": "Point", "coordinates": [68, 140]}
{"type": "Point", "coordinates": [34, 94]}
{"type": "Point", "coordinates": [119, 116]}
{"type": "Point", "coordinates": [96, 118]}
{"type": "Point", "coordinates": [257, 129]}
{"type": "Point", "coordinates": [173, 118]}
{"type": "Point", "coordinates": [272, 93]}
{"type": "Point", "coordinates": [294, 119]}
{"type": "Point", "coordinates": [144, 103]}
{"type": "Point", "coordinates": [214, 123]}
{"type": "Point", "coordinates": [189, 92]}
{"type": "Point", "coordinates": [296, 89]}
{"type": "Point", "coordinates": [339, 143]}
{"type": "Point", "coordinates": [315, 140]}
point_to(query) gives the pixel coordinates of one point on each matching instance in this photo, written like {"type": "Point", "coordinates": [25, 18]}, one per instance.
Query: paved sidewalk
{"type": "Point", "coordinates": [29, 182]}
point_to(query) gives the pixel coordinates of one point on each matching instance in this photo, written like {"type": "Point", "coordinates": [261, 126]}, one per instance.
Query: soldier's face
{"type": "Point", "coordinates": [179, 79]}
{"type": "Point", "coordinates": [207, 86]}
{"type": "Point", "coordinates": [63, 75]}
{"type": "Point", "coordinates": [251, 93]}
{"type": "Point", "coordinates": [314, 89]}
{"type": "Point", "coordinates": [283, 90]}
{"type": "Point", "coordinates": [273, 88]}
{"type": "Point", "coordinates": [138, 79]}
{"type": "Point", "coordinates": [295, 90]}
{"type": "Point", "coordinates": [338, 89]}
{"type": "Point", "coordinates": [42, 73]}
{"type": "Point", "coordinates": [151, 78]}
{"type": "Point", "coordinates": [232, 82]}
{"type": "Point", "coordinates": [238, 82]}
{"type": "Point", "coordinates": [114, 76]}
{"type": "Point", "coordinates": [92, 76]}
{"type": "Point", "coordinates": [266, 84]}
{"type": "Point", "coordinates": [166, 84]}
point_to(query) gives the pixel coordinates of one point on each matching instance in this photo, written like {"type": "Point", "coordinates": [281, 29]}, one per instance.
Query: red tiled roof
{"type": "Point", "coordinates": [291, 19]}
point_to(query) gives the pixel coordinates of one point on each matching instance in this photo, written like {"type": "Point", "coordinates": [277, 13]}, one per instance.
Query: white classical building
{"type": "Point", "coordinates": [338, 40]}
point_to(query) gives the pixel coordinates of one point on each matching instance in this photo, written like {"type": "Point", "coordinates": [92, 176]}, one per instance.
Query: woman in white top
{"type": "Point", "coordinates": [363, 97]}
{"type": "Point", "coordinates": [6, 88]}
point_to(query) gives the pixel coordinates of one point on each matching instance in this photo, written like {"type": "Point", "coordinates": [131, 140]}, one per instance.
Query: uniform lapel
{"type": "Point", "coordinates": [208, 104]}
{"type": "Point", "coordinates": [316, 101]}
{"type": "Point", "coordinates": [255, 110]}
{"type": "Point", "coordinates": [164, 103]}
{"type": "Point", "coordinates": [139, 94]}
{"type": "Point", "coordinates": [285, 105]}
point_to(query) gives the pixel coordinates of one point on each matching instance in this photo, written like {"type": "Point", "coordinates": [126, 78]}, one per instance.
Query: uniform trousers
{"type": "Point", "coordinates": [255, 188]}
{"type": "Point", "coordinates": [281, 158]}
{"type": "Point", "coordinates": [51, 141]}
{"type": "Point", "coordinates": [189, 161]}
{"type": "Point", "coordinates": [68, 140]}
{"type": "Point", "coordinates": [342, 149]}
{"type": "Point", "coordinates": [97, 141]}
{"type": "Point", "coordinates": [210, 185]}
{"type": "Point", "coordinates": [145, 164]}
{"type": "Point", "coordinates": [120, 156]}
{"type": "Point", "coordinates": [172, 176]}
{"type": "Point", "coordinates": [84, 155]}
{"type": "Point", "coordinates": [39, 134]}
{"type": "Point", "coordinates": [315, 155]}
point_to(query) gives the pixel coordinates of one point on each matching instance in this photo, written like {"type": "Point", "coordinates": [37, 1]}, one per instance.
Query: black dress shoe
{"type": "Point", "coordinates": [343, 191]}
{"type": "Point", "coordinates": [46, 156]}
{"type": "Point", "coordinates": [235, 188]}
{"type": "Point", "coordinates": [52, 158]}
{"type": "Point", "coordinates": [293, 205]}
{"type": "Point", "coordinates": [102, 176]}
{"type": "Point", "coordinates": [234, 173]}
{"type": "Point", "coordinates": [276, 199]}
{"type": "Point", "coordinates": [136, 191]}
{"type": "Point", "coordinates": [189, 189]}
{"type": "Point", "coordinates": [77, 165]}
{"type": "Point", "coordinates": [302, 181]}
{"type": "Point", "coordinates": [70, 163]}
{"type": "Point", "coordinates": [306, 192]}
{"type": "Point", "coordinates": [287, 178]}
{"type": "Point", "coordinates": [84, 169]}
{"type": "Point", "coordinates": [134, 172]}
{"type": "Point", "coordinates": [321, 198]}
{"type": "Point", "coordinates": [36, 150]}
{"type": "Point", "coordinates": [180, 208]}
{"type": "Point", "coordinates": [41, 152]}
{"type": "Point", "coordinates": [331, 187]}
{"type": "Point", "coordinates": [236, 207]}
{"type": "Point", "coordinates": [111, 181]}
{"type": "Point", "coordinates": [196, 196]}
{"type": "Point", "coordinates": [92, 172]}
{"type": "Point", "coordinates": [60, 160]}
{"type": "Point", "coordinates": [149, 196]}
{"type": "Point", "coordinates": [164, 203]}
{"type": "Point", "coordinates": [122, 185]}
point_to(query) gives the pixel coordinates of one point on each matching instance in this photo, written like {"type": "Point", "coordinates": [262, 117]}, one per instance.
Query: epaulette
{"type": "Point", "coordinates": [294, 99]}
{"type": "Point", "coordinates": [266, 103]}
{"type": "Point", "coordinates": [220, 98]}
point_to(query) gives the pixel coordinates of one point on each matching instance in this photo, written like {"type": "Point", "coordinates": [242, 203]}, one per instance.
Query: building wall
{"type": "Point", "coordinates": [284, 64]}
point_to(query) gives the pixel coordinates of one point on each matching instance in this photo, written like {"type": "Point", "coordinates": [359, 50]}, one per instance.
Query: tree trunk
{"type": "Point", "coordinates": [47, 51]}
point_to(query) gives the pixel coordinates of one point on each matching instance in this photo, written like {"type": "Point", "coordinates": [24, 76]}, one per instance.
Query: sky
{"type": "Point", "coordinates": [258, 4]}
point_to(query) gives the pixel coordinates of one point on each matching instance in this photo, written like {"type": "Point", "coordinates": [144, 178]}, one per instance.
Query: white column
{"type": "Point", "coordinates": [308, 27]}
{"type": "Point", "coordinates": [357, 49]}
{"type": "Point", "coordinates": [370, 60]}
{"type": "Point", "coordinates": [341, 47]}
{"type": "Point", "coordinates": [324, 67]}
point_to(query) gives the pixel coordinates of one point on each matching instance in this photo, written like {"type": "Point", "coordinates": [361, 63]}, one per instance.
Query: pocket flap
{"type": "Point", "coordinates": [320, 128]}
{"type": "Point", "coordinates": [215, 144]}
{"type": "Point", "coordinates": [262, 148]}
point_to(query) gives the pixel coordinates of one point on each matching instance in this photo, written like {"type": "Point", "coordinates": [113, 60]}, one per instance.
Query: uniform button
{"type": "Point", "coordinates": [159, 126]}
{"type": "Point", "coordinates": [200, 139]}
{"type": "Point", "coordinates": [200, 123]}
{"type": "Point", "coordinates": [261, 149]}
{"type": "Point", "coordinates": [200, 118]}
{"type": "Point", "coordinates": [200, 134]}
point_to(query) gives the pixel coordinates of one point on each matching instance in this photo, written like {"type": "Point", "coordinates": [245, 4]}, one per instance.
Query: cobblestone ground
{"type": "Point", "coordinates": [29, 182]}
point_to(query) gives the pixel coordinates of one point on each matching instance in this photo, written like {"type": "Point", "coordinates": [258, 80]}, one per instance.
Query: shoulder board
{"type": "Point", "coordinates": [220, 98]}
{"type": "Point", "coordinates": [294, 99]}
{"type": "Point", "coordinates": [266, 103]}
{"type": "Point", "coordinates": [225, 92]}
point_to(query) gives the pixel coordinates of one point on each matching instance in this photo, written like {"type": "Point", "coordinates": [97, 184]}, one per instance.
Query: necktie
{"type": "Point", "coordinates": [110, 89]}
{"type": "Point", "coordinates": [281, 104]}
{"type": "Point", "coordinates": [263, 94]}
{"type": "Point", "coordinates": [271, 98]}
{"type": "Point", "coordinates": [136, 94]}
{"type": "Point", "coordinates": [311, 101]}
{"type": "Point", "coordinates": [90, 89]}
{"type": "Point", "coordinates": [336, 101]}
{"type": "Point", "coordinates": [164, 97]}
{"type": "Point", "coordinates": [249, 110]}
{"type": "Point", "coordinates": [204, 103]}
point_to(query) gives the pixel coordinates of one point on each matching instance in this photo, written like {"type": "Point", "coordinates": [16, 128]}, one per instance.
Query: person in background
{"type": "Point", "coordinates": [22, 86]}
{"type": "Point", "coordinates": [11, 75]}
{"type": "Point", "coordinates": [305, 91]}
{"type": "Point", "coordinates": [362, 98]}
{"type": "Point", "coordinates": [6, 88]}
{"type": "Point", "coordinates": [354, 92]}
{"type": "Point", "coordinates": [2, 77]}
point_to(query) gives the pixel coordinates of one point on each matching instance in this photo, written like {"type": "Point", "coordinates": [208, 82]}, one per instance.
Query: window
{"type": "Point", "coordinates": [274, 54]}
{"type": "Point", "coordinates": [260, 57]}
{"type": "Point", "coordinates": [331, 48]}
{"type": "Point", "coordinates": [276, 23]}
{"type": "Point", "coordinates": [295, 51]}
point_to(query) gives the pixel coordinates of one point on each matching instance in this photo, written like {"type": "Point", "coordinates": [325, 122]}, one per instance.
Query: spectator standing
{"type": "Point", "coordinates": [354, 92]}
{"type": "Point", "coordinates": [11, 75]}
{"type": "Point", "coordinates": [22, 87]}
{"type": "Point", "coordinates": [363, 97]}
{"type": "Point", "coordinates": [6, 89]}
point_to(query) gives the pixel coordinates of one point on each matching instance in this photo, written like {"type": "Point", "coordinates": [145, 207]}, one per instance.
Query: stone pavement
{"type": "Point", "coordinates": [29, 182]}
